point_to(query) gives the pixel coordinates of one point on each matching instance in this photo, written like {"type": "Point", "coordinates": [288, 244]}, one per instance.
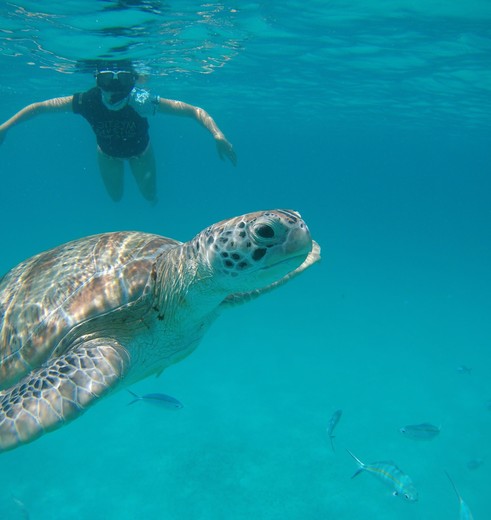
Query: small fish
{"type": "Point", "coordinates": [21, 507]}
{"type": "Point", "coordinates": [163, 400]}
{"type": "Point", "coordinates": [423, 431]}
{"type": "Point", "coordinates": [464, 511]}
{"type": "Point", "coordinates": [389, 473]}
{"type": "Point", "coordinates": [474, 463]}
{"type": "Point", "coordinates": [462, 369]}
{"type": "Point", "coordinates": [333, 421]}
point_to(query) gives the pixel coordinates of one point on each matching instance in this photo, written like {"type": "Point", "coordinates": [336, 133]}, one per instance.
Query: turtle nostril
{"type": "Point", "coordinates": [265, 231]}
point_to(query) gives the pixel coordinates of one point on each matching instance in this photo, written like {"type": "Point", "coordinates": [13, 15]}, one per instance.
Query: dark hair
{"type": "Point", "coordinates": [94, 66]}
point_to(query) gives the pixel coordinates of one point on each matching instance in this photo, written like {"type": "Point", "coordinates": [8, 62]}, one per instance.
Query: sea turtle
{"type": "Point", "coordinates": [102, 312]}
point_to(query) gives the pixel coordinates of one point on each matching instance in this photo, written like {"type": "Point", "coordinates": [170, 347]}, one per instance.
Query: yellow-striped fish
{"type": "Point", "coordinates": [464, 511]}
{"type": "Point", "coordinates": [423, 431]}
{"type": "Point", "coordinates": [389, 473]}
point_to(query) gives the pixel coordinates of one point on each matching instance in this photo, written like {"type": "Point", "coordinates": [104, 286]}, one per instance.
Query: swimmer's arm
{"type": "Point", "coordinates": [179, 108]}
{"type": "Point", "coordinates": [60, 104]}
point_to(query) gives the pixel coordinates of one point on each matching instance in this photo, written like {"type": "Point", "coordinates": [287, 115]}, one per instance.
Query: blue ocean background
{"type": "Point", "coordinates": [371, 118]}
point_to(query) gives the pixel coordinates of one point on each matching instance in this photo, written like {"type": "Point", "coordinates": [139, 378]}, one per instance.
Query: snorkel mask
{"type": "Point", "coordinates": [115, 85]}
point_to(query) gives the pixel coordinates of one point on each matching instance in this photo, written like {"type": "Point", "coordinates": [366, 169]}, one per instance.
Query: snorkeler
{"type": "Point", "coordinates": [117, 112]}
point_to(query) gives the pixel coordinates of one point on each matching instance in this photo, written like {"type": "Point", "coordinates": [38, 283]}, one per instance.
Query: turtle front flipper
{"type": "Point", "coordinates": [60, 390]}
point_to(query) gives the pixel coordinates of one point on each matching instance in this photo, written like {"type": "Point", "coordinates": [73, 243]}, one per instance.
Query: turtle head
{"type": "Point", "coordinates": [253, 251]}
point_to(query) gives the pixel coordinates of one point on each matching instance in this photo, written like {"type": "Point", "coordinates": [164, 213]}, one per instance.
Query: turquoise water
{"type": "Point", "coordinates": [370, 118]}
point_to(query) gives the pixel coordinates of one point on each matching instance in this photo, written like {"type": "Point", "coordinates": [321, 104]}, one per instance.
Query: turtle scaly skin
{"type": "Point", "coordinates": [97, 314]}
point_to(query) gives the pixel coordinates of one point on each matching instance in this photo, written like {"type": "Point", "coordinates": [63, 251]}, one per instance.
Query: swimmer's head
{"type": "Point", "coordinates": [116, 80]}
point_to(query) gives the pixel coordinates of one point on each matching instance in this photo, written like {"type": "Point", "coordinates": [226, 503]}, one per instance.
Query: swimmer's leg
{"type": "Point", "coordinates": [112, 172]}
{"type": "Point", "coordinates": [144, 171]}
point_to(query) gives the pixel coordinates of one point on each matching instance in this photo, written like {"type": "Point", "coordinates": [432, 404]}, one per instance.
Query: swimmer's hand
{"type": "Point", "coordinates": [3, 133]}
{"type": "Point", "coordinates": [225, 149]}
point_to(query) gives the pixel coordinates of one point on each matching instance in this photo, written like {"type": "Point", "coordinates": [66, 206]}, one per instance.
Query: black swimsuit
{"type": "Point", "coordinates": [119, 133]}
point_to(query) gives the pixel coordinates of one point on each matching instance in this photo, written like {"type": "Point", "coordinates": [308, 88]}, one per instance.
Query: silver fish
{"type": "Point", "coordinates": [333, 421]}
{"type": "Point", "coordinates": [423, 431]}
{"type": "Point", "coordinates": [21, 507]}
{"type": "Point", "coordinates": [462, 369]}
{"type": "Point", "coordinates": [163, 400]}
{"type": "Point", "coordinates": [464, 511]}
{"type": "Point", "coordinates": [389, 473]}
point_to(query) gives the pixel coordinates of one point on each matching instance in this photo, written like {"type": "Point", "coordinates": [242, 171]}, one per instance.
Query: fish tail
{"type": "Point", "coordinates": [331, 437]}
{"type": "Point", "coordinates": [453, 485]}
{"type": "Point", "coordinates": [357, 472]}
{"type": "Point", "coordinates": [359, 462]}
{"type": "Point", "coordinates": [136, 397]}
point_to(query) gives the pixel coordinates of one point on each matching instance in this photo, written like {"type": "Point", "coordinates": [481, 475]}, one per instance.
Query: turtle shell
{"type": "Point", "coordinates": [52, 298]}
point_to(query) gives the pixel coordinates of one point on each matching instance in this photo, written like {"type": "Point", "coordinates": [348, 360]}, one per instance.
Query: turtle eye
{"type": "Point", "coordinates": [265, 231]}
